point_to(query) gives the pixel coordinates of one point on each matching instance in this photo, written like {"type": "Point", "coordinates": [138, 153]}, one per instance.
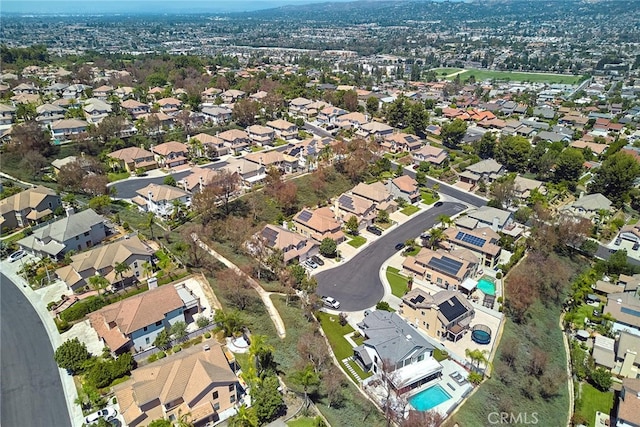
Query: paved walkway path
{"type": "Point", "coordinates": [264, 295]}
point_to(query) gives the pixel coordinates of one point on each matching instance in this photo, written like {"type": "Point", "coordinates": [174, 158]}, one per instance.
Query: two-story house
{"type": "Point", "coordinates": [497, 219]}
{"type": "Point", "coordinates": [443, 315]}
{"type": "Point", "coordinates": [217, 115]}
{"type": "Point", "coordinates": [329, 115]}
{"type": "Point", "coordinates": [589, 206]}
{"type": "Point", "coordinates": [7, 114]}
{"type": "Point", "coordinates": [75, 232]}
{"type": "Point", "coordinates": [348, 205]}
{"type": "Point", "coordinates": [375, 130]}
{"type": "Point", "coordinates": [162, 200]}
{"type": "Point", "coordinates": [232, 95]}
{"type": "Point", "coordinates": [132, 158]}
{"type": "Point", "coordinates": [236, 140]}
{"type": "Point", "coordinates": [296, 105]}
{"type": "Point", "coordinates": [135, 108]}
{"type": "Point", "coordinates": [170, 106]}
{"type": "Point", "coordinates": [198, 381]}
{"type": "Point", "coordinates": [401, 141]}
{"type": "Point", "coordinates": [483, 242]}
{"type": "Point", "coordinates": [95, 110]}
{"type": "Point", "coordinates": [49, 113]}
{"type": "Point", "coordinates": [170, 154]}
{"type": "Point", "coordinates": [404, 187]}
{"type": "Point", "coordinates": [64, 129]}
{"type": "Point", "coordinates": [628, 414]}
{"type": "Point", "coordinates": [396, 351]}
{"type": "Point", "coordinates": [283, 129]}
{"type": "Point", "coordinates": [294, 246]}
{"type": "Point", "coordinates": [103, 92]}
{"type": "Point", "coordinates": [378, 193]}
{"type": "Point", "coordinates": [28, 207]}
{"type": "Point", "coordinates": [261, 135]}
{"type": "Point", "coordinates": [351, 120]}
{"type": "Point", "coordinates": [102, 261]}
{"type": "Point", "coordinates": [212, 146]}
{"type": "Point", "coordinates": [249, 173]}
{"type": "Point", "coordinates": [318, 224]}
{"type": "Point", "coordinates": [430, 154]}
{"type": "Point", "coordinates": [444, 269]}
{"type": "Point", "coordinates": [201, 177]}
{"type": "Point", "coordinates": [486, 170]}
{"type": "Point", "coordinates": [135, 322]}
{"type": "Point", "coordinates": [276, 159]}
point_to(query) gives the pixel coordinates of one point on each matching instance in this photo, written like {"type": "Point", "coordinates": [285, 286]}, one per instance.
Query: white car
{"type": "Point", "coordinates": [17, 255]}
{"type": "Point", "coordinates": [331, 302]}
{"type": "Point", "coordinates": [106, 413]}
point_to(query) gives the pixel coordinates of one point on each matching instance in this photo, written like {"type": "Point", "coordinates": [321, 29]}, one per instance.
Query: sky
{"type": "Point", "coordinates": [141, 6]}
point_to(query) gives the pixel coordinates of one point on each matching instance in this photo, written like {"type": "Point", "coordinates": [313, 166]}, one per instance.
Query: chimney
{"type": "Point", "coordinates": [201, 182]}
{"type": "Point", "coordinates": [261, 164]}
{"type": "Point", "coordinates": [69, 211]}
{"type": "Point", "coordinates": [150, 196]}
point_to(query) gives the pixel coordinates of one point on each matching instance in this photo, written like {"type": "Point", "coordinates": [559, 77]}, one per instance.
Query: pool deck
{"type": "Point", "coordinates": [448, 384]}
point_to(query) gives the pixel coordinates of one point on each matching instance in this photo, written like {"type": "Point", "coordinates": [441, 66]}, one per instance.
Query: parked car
{"type": "Point", "coordinates": [636, 246]}
{"type": "Point", "coordinates": [374, 230]}
{"type": "Point", "coordinates": [331, 302]}
{"type": "Point", "coordinates": [438, 204]}
{"type": "Point", "coordinates": [106, 413]}
{"type": "Point", "coordinates": [317, 260]}
{"type": "Point", "coordinates": [17, 255]}
{"type": "Point", "coordinates": [618, 241]}
{"type": "Point", "coordinates": [309, 263]}
{"type": "Point", "coordinates": [399, 246]}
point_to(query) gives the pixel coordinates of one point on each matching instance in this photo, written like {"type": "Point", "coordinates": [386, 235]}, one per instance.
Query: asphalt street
{"type": "Point", "coordinates": [31, 390]}
{"type": "Point", "coordinates": [356, 284]}
{"type": "Point", "coordinates": [604, 252]}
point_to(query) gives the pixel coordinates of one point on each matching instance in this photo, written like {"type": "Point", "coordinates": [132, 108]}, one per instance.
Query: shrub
{"type": "Point", "coordinates": [72, 356]}
{"type": "Point", "coordinates": [498, 275]}
{"type": "Point", "coordinates": [475, 378]}
{"type": "Point", "coordinates": [176, 349]}
{"type": "Point", "coordinates": [383, 305]}
{"type": "Point", "coordinates": [207, 335]}
{"type": "Point", "coordinates": [62, 325]}
{"type": "Point", "coordinates": [82, 308]}
{"type": "Point", "coordinates": [500, 300]}
{"type": "Point", "coordinates": [343, 319]}
{"type": "Point", "coordinates": [203, 321]}
{"type": "Point", "coordinates": [51, 305]}
{"type": "Point", "coordinates": [161, 355]}
{"type": "Point", "coordinates": [153, 358]}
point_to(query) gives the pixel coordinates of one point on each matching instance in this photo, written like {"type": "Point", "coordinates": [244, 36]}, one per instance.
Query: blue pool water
{"type": "Point", "coordinates": [489, 288]}
{"type": "Point", "coordinates": [429, 398]}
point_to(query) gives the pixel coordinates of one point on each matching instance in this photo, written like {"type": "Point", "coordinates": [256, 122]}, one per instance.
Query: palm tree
{"type": "Point", "coordinates": [246, 417]}
{"type": "Point", "coordinates": [147, 269]}
{"type": "Point", "coordinates": [184, 420]}
{"type": "Point", "coordinates": [120, 269]}
{"type": "Point", "coordinates": [478, 357]}
{"type": "Point", "coordinates": [178, 208]}
{"type": "Point", "coordinates": [98, 282]}
{"type": "Point", "coordinates": [262, 354]}
{"type": "Point", "coordinates": [165, 265]}
{"type": "Point", "coordinates": [150, 223]}
{"type": "Point", "coordinates": [445, 220]}
{"type": "Point", "coordinates": [196, 147]}
{"type": "Point", "coordinates": [229, 323]}
{"type": "Point", "coordinates": [436, 235]}
{"type": "Point", "coordinates": [306, 378]}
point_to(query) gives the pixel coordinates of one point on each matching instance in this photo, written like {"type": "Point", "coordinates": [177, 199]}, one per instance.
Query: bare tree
{"type": "Point", "coordinates": [313, 349]}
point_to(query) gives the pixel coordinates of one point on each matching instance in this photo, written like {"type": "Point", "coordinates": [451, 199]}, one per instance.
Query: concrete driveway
{"type": "Point", "coordinates": [356, 283]}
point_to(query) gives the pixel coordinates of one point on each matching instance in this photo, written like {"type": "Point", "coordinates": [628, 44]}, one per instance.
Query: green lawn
{"type": "Point", "coordinates": [440, 355]}
{"type": "Point", "coordinates": [117, 176]}
{"type": "Point", "coordinates": [356, 241]}
{"type": "Point", "coordinates": [428, 197]}
{"type": "Point", "coordinates": [578, 315]}
{"type": "Point", "coordinates": [410, 210]}
{"type": "Point", "coordinates": [519, 76]}
{"type": "Point", "coordinates": [445, 71]}
{"type": "Point", "coordinates": [397, 281]}
{"type": "Point", "coordinates": [335, 334]}
{"type": "Point", "coordinates": [591, 400]}
{"type": "Point", "coordinates": [412, 252]}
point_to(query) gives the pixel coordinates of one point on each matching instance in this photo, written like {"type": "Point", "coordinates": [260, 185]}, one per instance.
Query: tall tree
{"type": "Point", "coordinates": [569, 165]}
{"type": "Point", "coordinates": [453, 132]}
{"type": "Point", "coordinates": [485, 147]}
{"type": "Point", "coordinates": [513, 152]}
{"type": "Point", "coordinates": [614, 179]}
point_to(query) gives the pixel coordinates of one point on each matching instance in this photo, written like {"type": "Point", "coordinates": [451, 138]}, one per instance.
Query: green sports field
{"type": "Point", "coordinates": [516, 76]}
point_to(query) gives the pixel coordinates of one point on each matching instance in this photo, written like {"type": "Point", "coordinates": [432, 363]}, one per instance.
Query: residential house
{"type": "Point", "coordinates": [75, 91]}
{"type": "Point", "coordinates": [259, 96]}
{"type": "Point", "coordinates": [430, 154]}
{"type": "Point", "coordinates": [629, 403]}
{"type": "Point", "coordinates": [135, 322]}
{"type": "Point", "coordinates": [135, 108]}
{"type": "Point", "coordinates": [443, 315]}
{"type": "Point", "coordinates": [102, 261]}
{"type": "Point", "coordinates": [28, 207]}
{"type": "Point", "coordinates": [212, 146]}
{"type": "Point", "coordinates": [237, 140]}
{"type": "Point", "coordinates": [210, 95]}
{"type": "Point", "coordinates": [201, 177]}
{"type": "Point", "coordinates": [375, 130]}
{"type": "Point", "coordinates": [495, 218]}
{"type": "Point", "coordinates": [26, 88]}
{"type": "Point", "coordinates": [378, 194]}
{"type": "Point", "coordinates": [597, 149]}
{"type": "Point", "coordinates": [123, 92]}
{"type": "Point", "coordinates": [348, 205]}
{"type": "Point", "coordinates": [160, 120]}
{"type": "Point", "coordinates": [446, 269]}
{"type": "Point", "coordinates": [483, 242]}
{"type": "Point", "coordinates": [625, 308]}
{"type": "Point", "coordinates": [318, 224]}
{"type": "Point", "coordinates": [486, 170]}
{"type": "Point", "coordinates": [132, 159]}
{"type": "Point", "coordinates": [603, 351]}
{"type": "Point", "coordinates": [296, 105]}
{"type": "Point", "coordinates": [170, 154]}
{"type": "Point", "coordinates": [395, 350]}
{"type": "Point", "coordinates": [249, 173]}
{"type": "Point", "coordinates": [294, 246]}
{"type": "Point", "coordinates": [329, 115]}
{"type": "Point", "coordinates": [310, 111]}
{"type": "Point", "coordinates": [629, 283]}
{"type": "Point", "coordinates": [103, 92]}
{"type": "Point", "coordinates": [351, 120]}
{"type": "Point", "coordinates": [7, 114]}
{"type": "Point", "coordinates": [197, 381]}
{"type": "Point", "coordinates": [162, 200]}
{"type": "Point", "coordinates": [49, 113]}
{"type": "Point", "coordinates": [523, 187]}
{"type": "Point", "coordinates": [401, 141]}
{"type": "Point", "coordinates": [74, 232]}
{"type": "Point", "coordinates": [217, 115]}
{"type": "Point", "coordinates": [404, 187]}
{"type": "Point", "coordinates": [66, 128]}
{"type": "Point", "coordinates": [170, 106]}
{"type": "Point", "coordinates": [627, 355]}
{"type": "Point", "coordinates": [275, 159]}
{"type": "Point", "coordinates": [261, 135]}
{"type": "Point", "coordinates": [283, 129]}
{"type": "Point", "coordinates": [232, 95]}
{"type": "Point", "coordinates": [95, 110]}
{"type": "Point", "coordinates": [588, 206]}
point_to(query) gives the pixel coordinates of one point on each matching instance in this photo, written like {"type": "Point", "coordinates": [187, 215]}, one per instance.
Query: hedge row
{"type": "Point", "coordinates": [82, 308]}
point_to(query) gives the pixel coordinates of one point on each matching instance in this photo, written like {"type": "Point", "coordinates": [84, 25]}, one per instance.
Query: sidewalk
{"type": "Point", "coordinates": [39, 304]}
{"type": "Point", "coordinates": [264, 295]}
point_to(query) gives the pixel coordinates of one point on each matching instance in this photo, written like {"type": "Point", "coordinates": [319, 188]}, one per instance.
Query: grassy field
{"type": "Point", "coordinates": [410, 210]}
{"type": "Point", "coordinates": [117, 176]}
{"type": "Point", "coordinates": [589, 400]}
{"type": "Point", "coordinates": [445, 71]}
{"type": "Point", "coordinates": [356, 241]}
{"type": "Point", "coordinates": [519, 76]}
{"type": "Point", "coordinates": [397, 281]}
{"type": "Point", "coordinates": [428, 197]}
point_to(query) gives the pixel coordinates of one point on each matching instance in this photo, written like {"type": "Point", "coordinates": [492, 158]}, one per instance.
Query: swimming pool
{"type": "Point", "coordinates": [429, 398]}
{"type": "Point", "coordinates": [487, 286]}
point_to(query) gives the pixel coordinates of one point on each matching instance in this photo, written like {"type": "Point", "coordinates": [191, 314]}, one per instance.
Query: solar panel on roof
{"type": "Point", "coordinates": [417, 299]}
{"type": "Point", "coordinates": [271, 236]}
{"type": "Point", "coordinates": [305, 216]}
{"type": "Point", "coordinates": [346, 201]}
{"type": "Point", "coordinates": [468, 238]}
{"type": "Point", "coordinates": [445, 265]}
